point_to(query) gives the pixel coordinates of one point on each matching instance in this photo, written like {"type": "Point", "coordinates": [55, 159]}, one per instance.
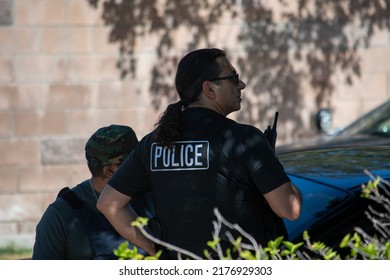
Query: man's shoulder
{"type": "Point", "coordinates": [245, 128]}
{"type": "Point", "coordinates": [61, 205]}
{"type": "Point", "coordinates": [58, 212]}
{"type": "Point", "coordinates": [70, 197]}
{"type": "Point", "coordinates": [148, 138]}
{"type": "Point", "coordinates": [143, 147]}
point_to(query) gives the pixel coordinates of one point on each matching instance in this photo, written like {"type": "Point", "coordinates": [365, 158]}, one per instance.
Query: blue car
{"type": "Point", "coordinates": [330, 182]}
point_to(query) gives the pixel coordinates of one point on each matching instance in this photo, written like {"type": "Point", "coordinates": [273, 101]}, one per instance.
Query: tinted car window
{"type": "Point", "coordinates": [375, 122]}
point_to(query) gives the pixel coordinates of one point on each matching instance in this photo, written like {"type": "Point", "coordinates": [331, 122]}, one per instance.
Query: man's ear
{"type": "Point", "coordinates": [209, 89]}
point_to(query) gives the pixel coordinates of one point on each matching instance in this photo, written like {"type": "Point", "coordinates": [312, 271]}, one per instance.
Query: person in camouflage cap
{"type": "Point", "coordinates": [109, 146]}
{"type": "Point", "coordinates": [72, 227]}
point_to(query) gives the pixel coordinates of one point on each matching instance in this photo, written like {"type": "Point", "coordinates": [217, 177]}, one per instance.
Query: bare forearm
{"type": "Point", "coordinates": [121, 220]}
{"type": "Point", "coordinates": [296, 202]}
{"type": "Point", "coordinates": [285, 201]}
{"type": "Point", "coordinates": [114, 207]}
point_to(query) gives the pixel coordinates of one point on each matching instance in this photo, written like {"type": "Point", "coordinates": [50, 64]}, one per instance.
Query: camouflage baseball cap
{"type": "Point", "coordinates": [110, 145]}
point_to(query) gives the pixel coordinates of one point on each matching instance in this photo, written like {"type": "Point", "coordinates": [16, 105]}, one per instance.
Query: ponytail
{"type": "Point", "coordinates": [169, 125]}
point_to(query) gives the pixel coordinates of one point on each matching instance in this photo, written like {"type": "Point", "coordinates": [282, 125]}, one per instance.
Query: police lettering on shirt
{"type": "Point", "coordinates": [185, 155]}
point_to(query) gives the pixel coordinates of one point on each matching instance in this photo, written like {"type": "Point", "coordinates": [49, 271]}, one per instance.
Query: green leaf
{"type": "Point", "coordinates": [237, 242]}
{"type": "Point", "coordinates": [228, 255]}
{"type": "Point", "coordinates": [247, 255]}
{"type": "Point", "coordinates": [291, 246]}
{"type": "Point", "coordinates": [155, 257]}
{"type": "Point", "coordinates": [306, 235]}
{"type": "Point", "coordinates": [274, 244]}
{"type": "Point", "coordinates": [386, 251]}
{"type": "Point", "coordinates": [330, 255]}
{"type": "Point", "coordinates": [140, 222]}
{"type": "Point", "coordinates": [318, 246]}
{"type": "Point", "coordinates": [344, 243]}
{"type": "Point", "coordinates": [213, 244]}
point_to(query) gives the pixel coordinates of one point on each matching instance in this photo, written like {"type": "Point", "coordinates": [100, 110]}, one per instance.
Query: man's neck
{"type": "Point", "coordinates": [98, 183]}
{"type": "Point", "coordinates": [212, 106]}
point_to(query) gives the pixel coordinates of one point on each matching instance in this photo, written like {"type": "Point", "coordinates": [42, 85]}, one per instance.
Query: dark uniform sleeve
{"type": "Point", "coordinates": [265, 169]}
{"type": "Point", "coordinates": [132, 177]}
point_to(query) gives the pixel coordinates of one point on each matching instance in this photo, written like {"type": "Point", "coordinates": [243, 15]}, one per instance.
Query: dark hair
{"type": "Point", "coordinates": [193, 69]}
{"type": "Point", "coordinates": [95, 169]}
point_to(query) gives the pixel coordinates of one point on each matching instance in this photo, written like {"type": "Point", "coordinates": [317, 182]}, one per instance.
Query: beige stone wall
{"type": "Point", "coordinates": [59, 82]}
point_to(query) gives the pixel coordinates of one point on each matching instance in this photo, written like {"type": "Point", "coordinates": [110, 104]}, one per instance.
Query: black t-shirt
{"type": "Point", "coordinates": [217, 163]}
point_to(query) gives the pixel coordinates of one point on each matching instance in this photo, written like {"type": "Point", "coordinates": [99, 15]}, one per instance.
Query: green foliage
{"type": "Point", "coordinates": [140, 222]}
{"type": "Point", "coordinates": [291, 249]}
{"type": "Point", "coordinates": [360, 244]}
{"type": "Point", "coordinates": [372, 186]}
{"type": "Point", "coordinates": [14, 252]}
{"type": "Point", "coordinates": [124, 252]}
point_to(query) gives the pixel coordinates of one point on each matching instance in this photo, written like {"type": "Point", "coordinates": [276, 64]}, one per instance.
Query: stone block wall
{"type": "Point", "coordinates": [59, 82]}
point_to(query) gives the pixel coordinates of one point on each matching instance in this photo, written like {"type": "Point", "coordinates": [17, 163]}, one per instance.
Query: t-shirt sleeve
{"type": "Point", "coordinates": [132, 178]}
{"type": "Point", "coordinates": [264, 168]}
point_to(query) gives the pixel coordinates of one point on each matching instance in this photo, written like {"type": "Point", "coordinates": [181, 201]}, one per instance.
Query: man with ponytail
{"type": "Point", "coordinates": [197, 160]}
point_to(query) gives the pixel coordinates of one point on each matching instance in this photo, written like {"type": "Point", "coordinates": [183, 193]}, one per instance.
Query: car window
{"type": "Point", "coordinates": [384, 127]}
{"type": "Point", "coordinates": [375, 122]}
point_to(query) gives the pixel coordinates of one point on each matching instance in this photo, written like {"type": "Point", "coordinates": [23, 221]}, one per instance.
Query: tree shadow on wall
{"type": "Point", "coordinates": [287, 45]}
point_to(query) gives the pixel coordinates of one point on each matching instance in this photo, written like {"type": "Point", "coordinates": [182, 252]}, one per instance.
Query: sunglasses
{"type": "Point", "coordinates": [234, 77]}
